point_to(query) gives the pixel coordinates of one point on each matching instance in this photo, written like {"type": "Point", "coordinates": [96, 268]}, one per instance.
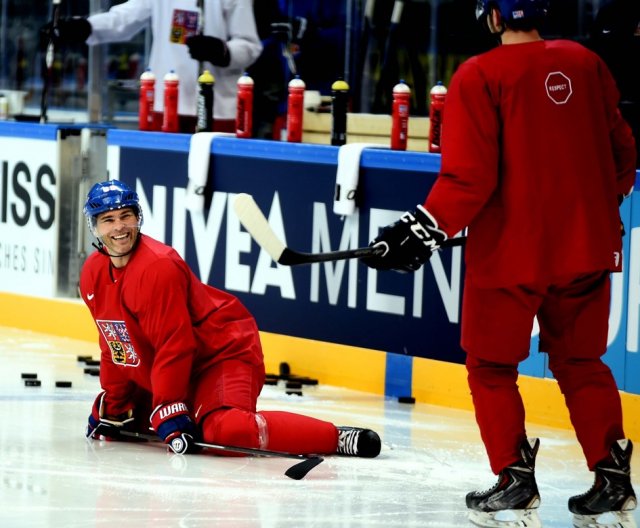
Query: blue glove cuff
{"type": "Point", "coordinates": [180, 423]}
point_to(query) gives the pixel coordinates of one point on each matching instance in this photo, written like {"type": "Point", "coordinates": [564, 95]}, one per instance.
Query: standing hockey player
{"type": "Point", "coordinates": [535, 160]}
{"type": "Point", "coordinates": [180, 355]}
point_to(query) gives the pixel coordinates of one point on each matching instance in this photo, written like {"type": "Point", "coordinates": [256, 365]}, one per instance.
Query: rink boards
{"type": "Point", "coordinates": [346, 325]}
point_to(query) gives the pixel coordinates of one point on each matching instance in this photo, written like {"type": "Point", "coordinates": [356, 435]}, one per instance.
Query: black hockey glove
{"type": "Point", "coordinates": [281, 31]}
{"type": "Point", "coordinates": [74, 30]}
{"type": "Point", "coordinates": [172, 423]}
{"type": "Point", "coordinates": [211, 49]}
{"type": "Point", "coordinates": [293, 31]}
{"type": "Point", "coordinates": [101, 424]}
{"type": "Point", "coordinates": [408, 243]}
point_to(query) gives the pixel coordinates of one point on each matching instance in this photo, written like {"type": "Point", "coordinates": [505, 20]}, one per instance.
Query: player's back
{"type": "Point", "coordinates": [537, 135]}
{"type": "Point", "coordinates": [556, 101]}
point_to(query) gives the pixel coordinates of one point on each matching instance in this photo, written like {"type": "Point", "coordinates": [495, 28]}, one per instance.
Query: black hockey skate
{"type": "Point", "coordinates": [516, 493]}
{"type": "Point", "coordinates": [358, 442]}
{"type": "Point", "coordinates": [611, 492]}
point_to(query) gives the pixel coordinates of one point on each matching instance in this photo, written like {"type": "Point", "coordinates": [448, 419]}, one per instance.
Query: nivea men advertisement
{"type": "Point", "coordinates": [344, 302]}
{"type": "Point", "coordinates": [28, 227]}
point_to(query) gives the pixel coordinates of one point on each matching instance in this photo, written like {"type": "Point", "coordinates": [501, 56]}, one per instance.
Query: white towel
{"type": "Point", "coordinates": [348, 176]}
{"type": "Point", "coordinates": [200, 150]}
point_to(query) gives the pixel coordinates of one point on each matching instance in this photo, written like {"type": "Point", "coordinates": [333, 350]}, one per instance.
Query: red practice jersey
{"type": "Point", "coordinates": [160, 328]}
{"type": "Point", "coordinates": [535, 153]}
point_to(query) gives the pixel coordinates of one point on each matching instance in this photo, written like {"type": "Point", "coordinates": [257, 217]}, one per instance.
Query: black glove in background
{"type": "Point", "coordinates": [210, 49]}
{"type": "Point", "coordinates": [74, 30]}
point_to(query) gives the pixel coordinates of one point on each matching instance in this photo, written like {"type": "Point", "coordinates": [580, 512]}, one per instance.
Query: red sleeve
{"type": "Point", "coordinates": [118, 387]}
{"type": "Point", "coordinates": [160, 306]}
{"type": "Point", "coordinates": [468, 175]}
{"type": "Point", "coordinates": [622, 141]}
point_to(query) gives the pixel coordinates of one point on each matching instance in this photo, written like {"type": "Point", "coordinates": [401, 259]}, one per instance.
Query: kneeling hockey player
{"type": "Point", "coordinates": [180, 355]}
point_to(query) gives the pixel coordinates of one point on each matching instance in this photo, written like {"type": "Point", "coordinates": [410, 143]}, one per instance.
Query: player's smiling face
{"type": "Point", "coordinates": [118, 230]}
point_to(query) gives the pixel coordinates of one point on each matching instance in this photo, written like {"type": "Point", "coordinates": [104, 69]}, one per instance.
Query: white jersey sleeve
{"type": "Point", "coordinates": [120, 23]}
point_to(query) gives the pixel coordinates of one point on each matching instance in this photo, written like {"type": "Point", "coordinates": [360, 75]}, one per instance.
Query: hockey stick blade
{"type": "Point", "coordinates": [296, 472]}
{"type": "Point", "coordinates": [300, 470]}
{"type": "Point", "coordinates": [254, 221]}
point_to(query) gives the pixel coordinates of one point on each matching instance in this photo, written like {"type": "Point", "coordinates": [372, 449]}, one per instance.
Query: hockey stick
{"type": "Point", "coordinates": [257, 225]}
{"type": "Point", "coordinates": [200, 30]}
{"type": "Point", "coordinates": [295, 472]}
{"type": "Point", "coordinates": [363, 70]}
{"type": "Point", "coordinates": [389, 66]}
{"type": "Point", "coordinates": [48, 61]}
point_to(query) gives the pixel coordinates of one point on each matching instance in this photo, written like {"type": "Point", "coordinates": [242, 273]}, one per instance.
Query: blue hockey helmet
{"type": "Point", "coordinates": [513, 9]}
{"type": "Point", "coordinates": [109, 196]}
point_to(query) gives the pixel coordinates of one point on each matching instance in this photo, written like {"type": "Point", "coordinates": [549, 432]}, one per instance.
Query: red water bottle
{"type": "Point", "coordinates": [145, 103]}
{"type": "Point", "coordinates": [400, 116]}
{"type": "Point", "coordinates": [295, 106]}
{"type": "Point", "coordinates": [437, 97]}
{"type": "Point", "coordinates": [170, 117]}
{"type": "Point", "coordinates": [244, 113]}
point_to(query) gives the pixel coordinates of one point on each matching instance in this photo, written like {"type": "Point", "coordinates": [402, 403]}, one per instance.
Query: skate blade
{"type": "Point", "coordinates": [622, 519]}
{"type": "Point", "coordinates": [506, 519]}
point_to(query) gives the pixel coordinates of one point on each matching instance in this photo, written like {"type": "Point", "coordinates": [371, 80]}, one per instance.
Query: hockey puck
{"type": "Point", "coordinates": [293, 385]}
{"type": "Point", "coordinates": [27, 375]}
{"type": "Point", "coordinates": [406, 399]}
{"type": "Point", "coordinates": [92, 362]}
{"type": "Point", "coordinates": [291, 392]}
{"type": "Point", "coordinates": [32, 383]}
{"type": "Point", "coordinates": [65, 384]}
{"type": "Point", "coordinates": [285, 371]}
{"type": "Point", "coordinates": [92, 371]}
{"type": "Point", "coordinates": [83, 359]}
{"type": "Point", "coordinates": [271, 381]}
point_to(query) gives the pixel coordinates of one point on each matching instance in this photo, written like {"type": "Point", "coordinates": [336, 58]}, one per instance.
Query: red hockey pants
{"type": "Point", "coordinates": [496, 330]}
{"type": "Point", "coordinates": [232, 389]}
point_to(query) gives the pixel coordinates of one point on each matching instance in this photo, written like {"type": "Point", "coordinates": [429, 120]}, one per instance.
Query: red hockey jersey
{"type": "Point", "coordinates": [160, 327]}
{"type": "Point", "coordinates": [534, 155]}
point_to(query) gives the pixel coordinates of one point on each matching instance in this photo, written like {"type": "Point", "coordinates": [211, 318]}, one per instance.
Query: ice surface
{"type": "Point", "coordinates": [50, 476]}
